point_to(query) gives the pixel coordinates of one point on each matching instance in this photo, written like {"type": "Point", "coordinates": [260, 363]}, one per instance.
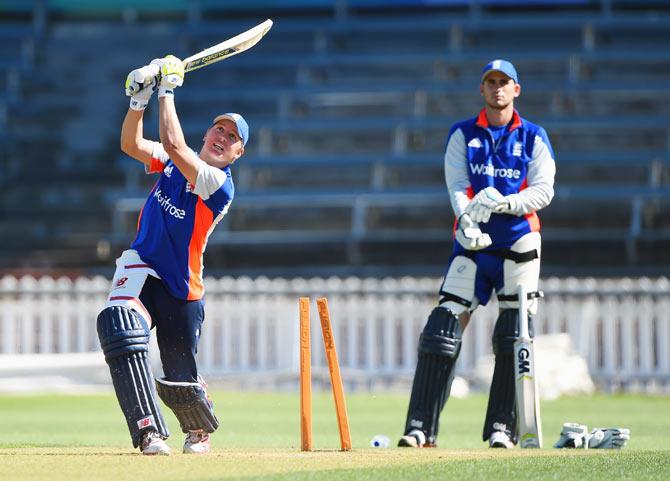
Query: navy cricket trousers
{"type": "Point", "coordinates": [178, 323]}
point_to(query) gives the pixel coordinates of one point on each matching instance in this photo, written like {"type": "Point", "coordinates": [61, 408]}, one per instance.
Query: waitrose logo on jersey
{"type": "Point", "coordinates": [166, 203]}
{"type": "Point", "coordinates": [480, 169]}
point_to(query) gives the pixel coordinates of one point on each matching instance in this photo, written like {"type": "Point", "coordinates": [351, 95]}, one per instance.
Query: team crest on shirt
{"type": "Point", "coordinates": [168, 170]}
{"type": "Point", "coordinates": [516, 150]}
{"type": "Point", "coordinates": [189, 188]}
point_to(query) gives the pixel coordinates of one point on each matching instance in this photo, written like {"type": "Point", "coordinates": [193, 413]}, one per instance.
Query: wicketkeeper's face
{"type": "Point", "coordinates": [499, 90]}
{"type": "Point", "coordinates": [223, 145]}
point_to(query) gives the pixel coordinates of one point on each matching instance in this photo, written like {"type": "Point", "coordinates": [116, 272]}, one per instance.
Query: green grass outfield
{"type": "Point", "coordinates": [77, 437]}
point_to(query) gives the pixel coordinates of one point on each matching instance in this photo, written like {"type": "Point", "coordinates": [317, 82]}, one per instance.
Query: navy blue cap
{"type": "Point", "coordinates": [503, 66]}
{"type": "Point", "coordinates": [240, 123]}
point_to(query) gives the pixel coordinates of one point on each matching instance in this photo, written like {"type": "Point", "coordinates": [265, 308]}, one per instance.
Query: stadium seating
{"type": "Point", "coordinates": [349, 113]}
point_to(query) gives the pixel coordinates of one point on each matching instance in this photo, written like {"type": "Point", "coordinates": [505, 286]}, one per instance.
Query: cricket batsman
{"type": "Point", "coordinates": [158, 282]}
{"type": "Point", "coordinates": [499, 170]}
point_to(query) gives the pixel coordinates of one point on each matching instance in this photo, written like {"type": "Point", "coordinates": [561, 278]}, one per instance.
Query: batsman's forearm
{"type": "Point", "coordinates": [171, 134]}
{"type": "Point", "coordinates": [132, 130]}
{"type": "Point", "coordinates": [172, 138]}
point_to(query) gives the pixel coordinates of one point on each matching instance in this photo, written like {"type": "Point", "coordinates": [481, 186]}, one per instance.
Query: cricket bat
{"type": "Point", "coordinates": [527, 396]}
{"type": "Point", "coordinates": [216, 53]}
{"type": "Point", "coordinates": [227, 48]}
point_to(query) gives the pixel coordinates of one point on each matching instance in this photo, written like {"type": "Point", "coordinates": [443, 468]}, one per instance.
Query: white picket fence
{"type": "Point", "coordinates": [620, 326]}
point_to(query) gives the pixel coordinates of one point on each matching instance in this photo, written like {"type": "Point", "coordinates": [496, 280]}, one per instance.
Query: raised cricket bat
{"type": "Point", "coordinates": [220, 51]}
{"type": "Point", "coordinates": [527, 396]}
{"type": "Point", "coordinates": [227, 48]}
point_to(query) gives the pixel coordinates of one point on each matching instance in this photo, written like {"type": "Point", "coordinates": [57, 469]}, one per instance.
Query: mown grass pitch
{"type": "Point", "coordinates": [73, 437]}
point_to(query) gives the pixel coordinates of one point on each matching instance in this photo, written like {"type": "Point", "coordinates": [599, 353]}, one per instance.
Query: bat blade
{"type": "Point", "coordinates": [527, 396]}
{"type": "Point", "coordinates": [227, 48]}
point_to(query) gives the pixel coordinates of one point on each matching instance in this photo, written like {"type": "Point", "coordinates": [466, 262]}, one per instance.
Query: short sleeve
{"type": "Point", "coordinates": [159, 157]}
{"type": "Point", "coordinates": [209, 180]}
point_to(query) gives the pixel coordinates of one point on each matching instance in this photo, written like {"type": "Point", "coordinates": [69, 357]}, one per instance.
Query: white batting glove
{"type": "Point", "coordinates": [140, 85]}
{"type": "Point", "coordinates": [171, 73]}
{"type": "Point", "coordinates": [573, 435]}
{"type": "Point", "coordinates": [486, 202]}
{"type": "Point", "coordinates": [470, 236]}
{"type": "Point", "coordinates": [609, 438]}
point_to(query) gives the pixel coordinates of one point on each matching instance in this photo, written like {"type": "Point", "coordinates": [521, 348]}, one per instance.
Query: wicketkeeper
{"type": "Point", "coordinates": [499, 170]}
{"type": "Point", "coordinates": [158, 281]}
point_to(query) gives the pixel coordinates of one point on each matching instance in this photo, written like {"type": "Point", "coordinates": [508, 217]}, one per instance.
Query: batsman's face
{"type": "Point", "coordinates": [499, 91]}
{"type": "Point", "coordinates": [223, 145]}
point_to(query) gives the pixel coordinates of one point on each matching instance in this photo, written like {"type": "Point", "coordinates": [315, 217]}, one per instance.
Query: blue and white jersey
{"type": "Point", "coordinates": [177, 219]}
{"type": "Point", "coordinates": [517, 160]}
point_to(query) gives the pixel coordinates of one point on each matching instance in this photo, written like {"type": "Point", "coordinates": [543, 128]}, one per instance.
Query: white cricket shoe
{"type": "Point", "coordinates": [197, 442]}
{"type": "Point", "coordinates": [414, 439]}
{"type": "Point", "coordinates": [499, 439]}
{"type": "Point", "coordinates": [152, 444]}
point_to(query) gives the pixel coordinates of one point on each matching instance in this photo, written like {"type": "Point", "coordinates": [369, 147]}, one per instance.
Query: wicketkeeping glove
{"type": "Point", "coordinates": [171, 73]}
{"type": "Point", "coordinates": [470, 236]}
{"type": "Point", "coordinates": [609, 438]}
{"type": "Point", "coordinates": [573, 435]}
{"type": "Point", "coordinates": [486, 202]}
{"type": "Point", "coordinates": [140, 85]}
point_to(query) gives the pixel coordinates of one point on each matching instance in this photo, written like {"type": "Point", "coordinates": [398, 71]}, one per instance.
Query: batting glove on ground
{"type": "Point", "coordinates": [171, 73]}
{"type": "Point", "coordinates": [140, 85]}
{"type": "Point", "coordinates": [470, 236]}
{"type": "Point", "coordinates": [573, 435]}
{"type": "Point", "coordinates": [486, 202]}
{"type": "Point", "coordinates": [609, 438]}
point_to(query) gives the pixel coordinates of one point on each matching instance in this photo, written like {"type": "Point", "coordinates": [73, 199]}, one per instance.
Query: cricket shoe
{"type": "Point", "coordinates": [500, 439]}
{"type": "Point", "coordinates": [415, 439]}
{"type": "Point", "coordinates": [197, 442]}
{"type": "Point", "coordinates": [152, 444]}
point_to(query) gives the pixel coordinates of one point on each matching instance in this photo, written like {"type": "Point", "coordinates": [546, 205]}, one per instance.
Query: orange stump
{"type": "Point", "coordinates": [335, 376]}
{"type": "Point", "coordinates": [305, 377]}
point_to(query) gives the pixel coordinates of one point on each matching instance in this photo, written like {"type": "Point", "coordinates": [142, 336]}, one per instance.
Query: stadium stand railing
{"type": "Point", "coordinates": [626, 224]}
{"type": "Point", "coordinates": [620, 327]}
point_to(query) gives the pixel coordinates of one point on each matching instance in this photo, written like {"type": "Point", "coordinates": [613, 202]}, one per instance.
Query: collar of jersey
{"type": "Point", "coordinates": [483, 122]}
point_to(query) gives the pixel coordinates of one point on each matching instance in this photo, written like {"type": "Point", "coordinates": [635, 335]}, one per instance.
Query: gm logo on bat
{"type": "Point", "coordinates": [522, 360]}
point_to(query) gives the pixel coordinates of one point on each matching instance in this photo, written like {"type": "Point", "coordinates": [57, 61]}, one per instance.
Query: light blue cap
{"type": "Point", "coordinates": [240, 123]}
{"type": "Point", "coordinates": [503, 66]}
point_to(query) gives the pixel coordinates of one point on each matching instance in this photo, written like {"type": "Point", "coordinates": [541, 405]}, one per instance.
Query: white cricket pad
{"type": "Point", "coordinates": [460, 281]}
{"type": "Point", "coordinates": [526, 274]}
{"type": "Point", "coordinates": [129, 278]}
